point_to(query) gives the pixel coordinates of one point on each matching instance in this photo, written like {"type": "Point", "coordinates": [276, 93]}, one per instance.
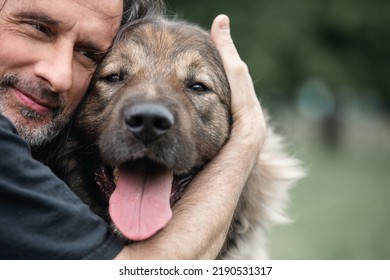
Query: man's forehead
{"type": "Point", "coordinates": [102, 9]}
{"type": "Point", "coordinates": [56, 14]}
{"type": "Point", "coordinates": [108, 8]}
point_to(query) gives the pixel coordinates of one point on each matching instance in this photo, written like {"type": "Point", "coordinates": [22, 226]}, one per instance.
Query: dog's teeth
{"type": "Point", "coordinates": [115, 175]}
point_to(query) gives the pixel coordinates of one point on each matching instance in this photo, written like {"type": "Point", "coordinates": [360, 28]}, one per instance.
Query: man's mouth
{"type": "Point", "coordinates": [32, 102]}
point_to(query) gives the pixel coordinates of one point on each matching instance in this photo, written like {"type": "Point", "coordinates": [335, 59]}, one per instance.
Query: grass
{"type": "Point", "coordinates": [341, 210]}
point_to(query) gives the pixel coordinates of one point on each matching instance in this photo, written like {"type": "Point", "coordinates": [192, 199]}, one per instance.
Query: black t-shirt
{"type": "Point", "coordinates": [40, 217]}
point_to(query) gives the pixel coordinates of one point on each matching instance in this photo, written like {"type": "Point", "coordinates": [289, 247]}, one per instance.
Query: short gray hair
{"type": "Point", "coordinates": [136, 9]}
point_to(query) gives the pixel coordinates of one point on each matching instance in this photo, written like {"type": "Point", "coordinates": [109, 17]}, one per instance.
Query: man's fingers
{"type": "Point", "coordinates": [246, 109]}
{"type": "Point", "coordinates": [235, 68]}
{"type": "Point", "coordinates": [243, 94]}
{"type": "Point", "coordinates": [220, 33]}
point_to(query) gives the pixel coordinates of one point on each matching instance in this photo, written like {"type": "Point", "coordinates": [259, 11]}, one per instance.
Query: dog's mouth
{"type": "Point", "coordinates": [140, 195]}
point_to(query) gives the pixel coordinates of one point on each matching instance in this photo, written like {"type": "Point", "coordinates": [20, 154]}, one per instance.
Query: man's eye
{"type": "Point", "coordinates": [94, 57]}
{"type": "Point", "coordinates": [39, 27]}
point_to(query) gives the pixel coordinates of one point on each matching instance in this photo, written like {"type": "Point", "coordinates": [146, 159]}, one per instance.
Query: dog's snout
{"type": "Point", "coordinates": [148, 121]}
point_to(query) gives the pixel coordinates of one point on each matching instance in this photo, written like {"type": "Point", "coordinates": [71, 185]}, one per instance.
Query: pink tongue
{"type": "Point", "coordinates": [139, 205]}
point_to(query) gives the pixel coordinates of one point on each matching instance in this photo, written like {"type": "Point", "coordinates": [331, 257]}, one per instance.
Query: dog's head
{"type": "Point", "coordinates": [159, 108]}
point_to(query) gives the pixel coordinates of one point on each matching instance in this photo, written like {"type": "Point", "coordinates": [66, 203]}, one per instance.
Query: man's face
{"type": "Point", "coordinates": [48, 52]}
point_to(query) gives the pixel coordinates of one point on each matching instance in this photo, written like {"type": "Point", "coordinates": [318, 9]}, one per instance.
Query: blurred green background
{"type": "Point", "coordinates": [322, 69]}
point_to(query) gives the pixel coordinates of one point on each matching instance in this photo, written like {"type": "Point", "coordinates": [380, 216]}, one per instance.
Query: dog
{"type": "Point", "coordinates": [157, 112]}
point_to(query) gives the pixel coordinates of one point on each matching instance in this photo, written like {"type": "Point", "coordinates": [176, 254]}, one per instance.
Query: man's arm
{"type": "Point", "coordinates": [41, 218]}
{"type": "Point", "coordinates": [192, 233]}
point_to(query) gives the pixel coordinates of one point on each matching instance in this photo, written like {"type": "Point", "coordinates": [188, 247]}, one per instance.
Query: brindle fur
{"type": "Point", "coordinates": [158, 61]}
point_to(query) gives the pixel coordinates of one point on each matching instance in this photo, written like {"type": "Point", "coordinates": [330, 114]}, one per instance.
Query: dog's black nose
{"type": "Point", "coordinates": [148, 121]}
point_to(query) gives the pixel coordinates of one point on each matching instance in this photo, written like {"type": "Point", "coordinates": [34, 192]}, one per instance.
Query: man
{"type": "Point", "coordinates": [48, 52]}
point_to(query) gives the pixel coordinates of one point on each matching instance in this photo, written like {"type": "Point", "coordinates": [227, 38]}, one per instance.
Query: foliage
{"type": "Point", "coordinates": [285, 43]}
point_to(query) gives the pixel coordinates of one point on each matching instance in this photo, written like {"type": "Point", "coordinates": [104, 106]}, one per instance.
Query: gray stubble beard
{"type": "Point", "coordinates": [24, 119]}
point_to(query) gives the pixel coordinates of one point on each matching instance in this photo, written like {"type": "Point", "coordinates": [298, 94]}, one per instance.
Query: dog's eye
{"type": "Point", "coordinates": [198, 87]}
{"type": "Point", "coordinates": [113, 78]}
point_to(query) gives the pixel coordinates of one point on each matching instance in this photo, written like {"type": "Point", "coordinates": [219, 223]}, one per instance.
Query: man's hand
{"type": "Point", "coordinates": [248, 118]}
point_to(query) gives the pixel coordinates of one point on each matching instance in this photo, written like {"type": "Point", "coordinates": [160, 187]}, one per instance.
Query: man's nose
{"type": "Point", "coordinates": [56, 67]}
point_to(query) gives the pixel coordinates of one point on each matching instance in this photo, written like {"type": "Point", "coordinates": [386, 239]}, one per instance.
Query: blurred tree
{"type": "Point", "coordinates": [285, 42]}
